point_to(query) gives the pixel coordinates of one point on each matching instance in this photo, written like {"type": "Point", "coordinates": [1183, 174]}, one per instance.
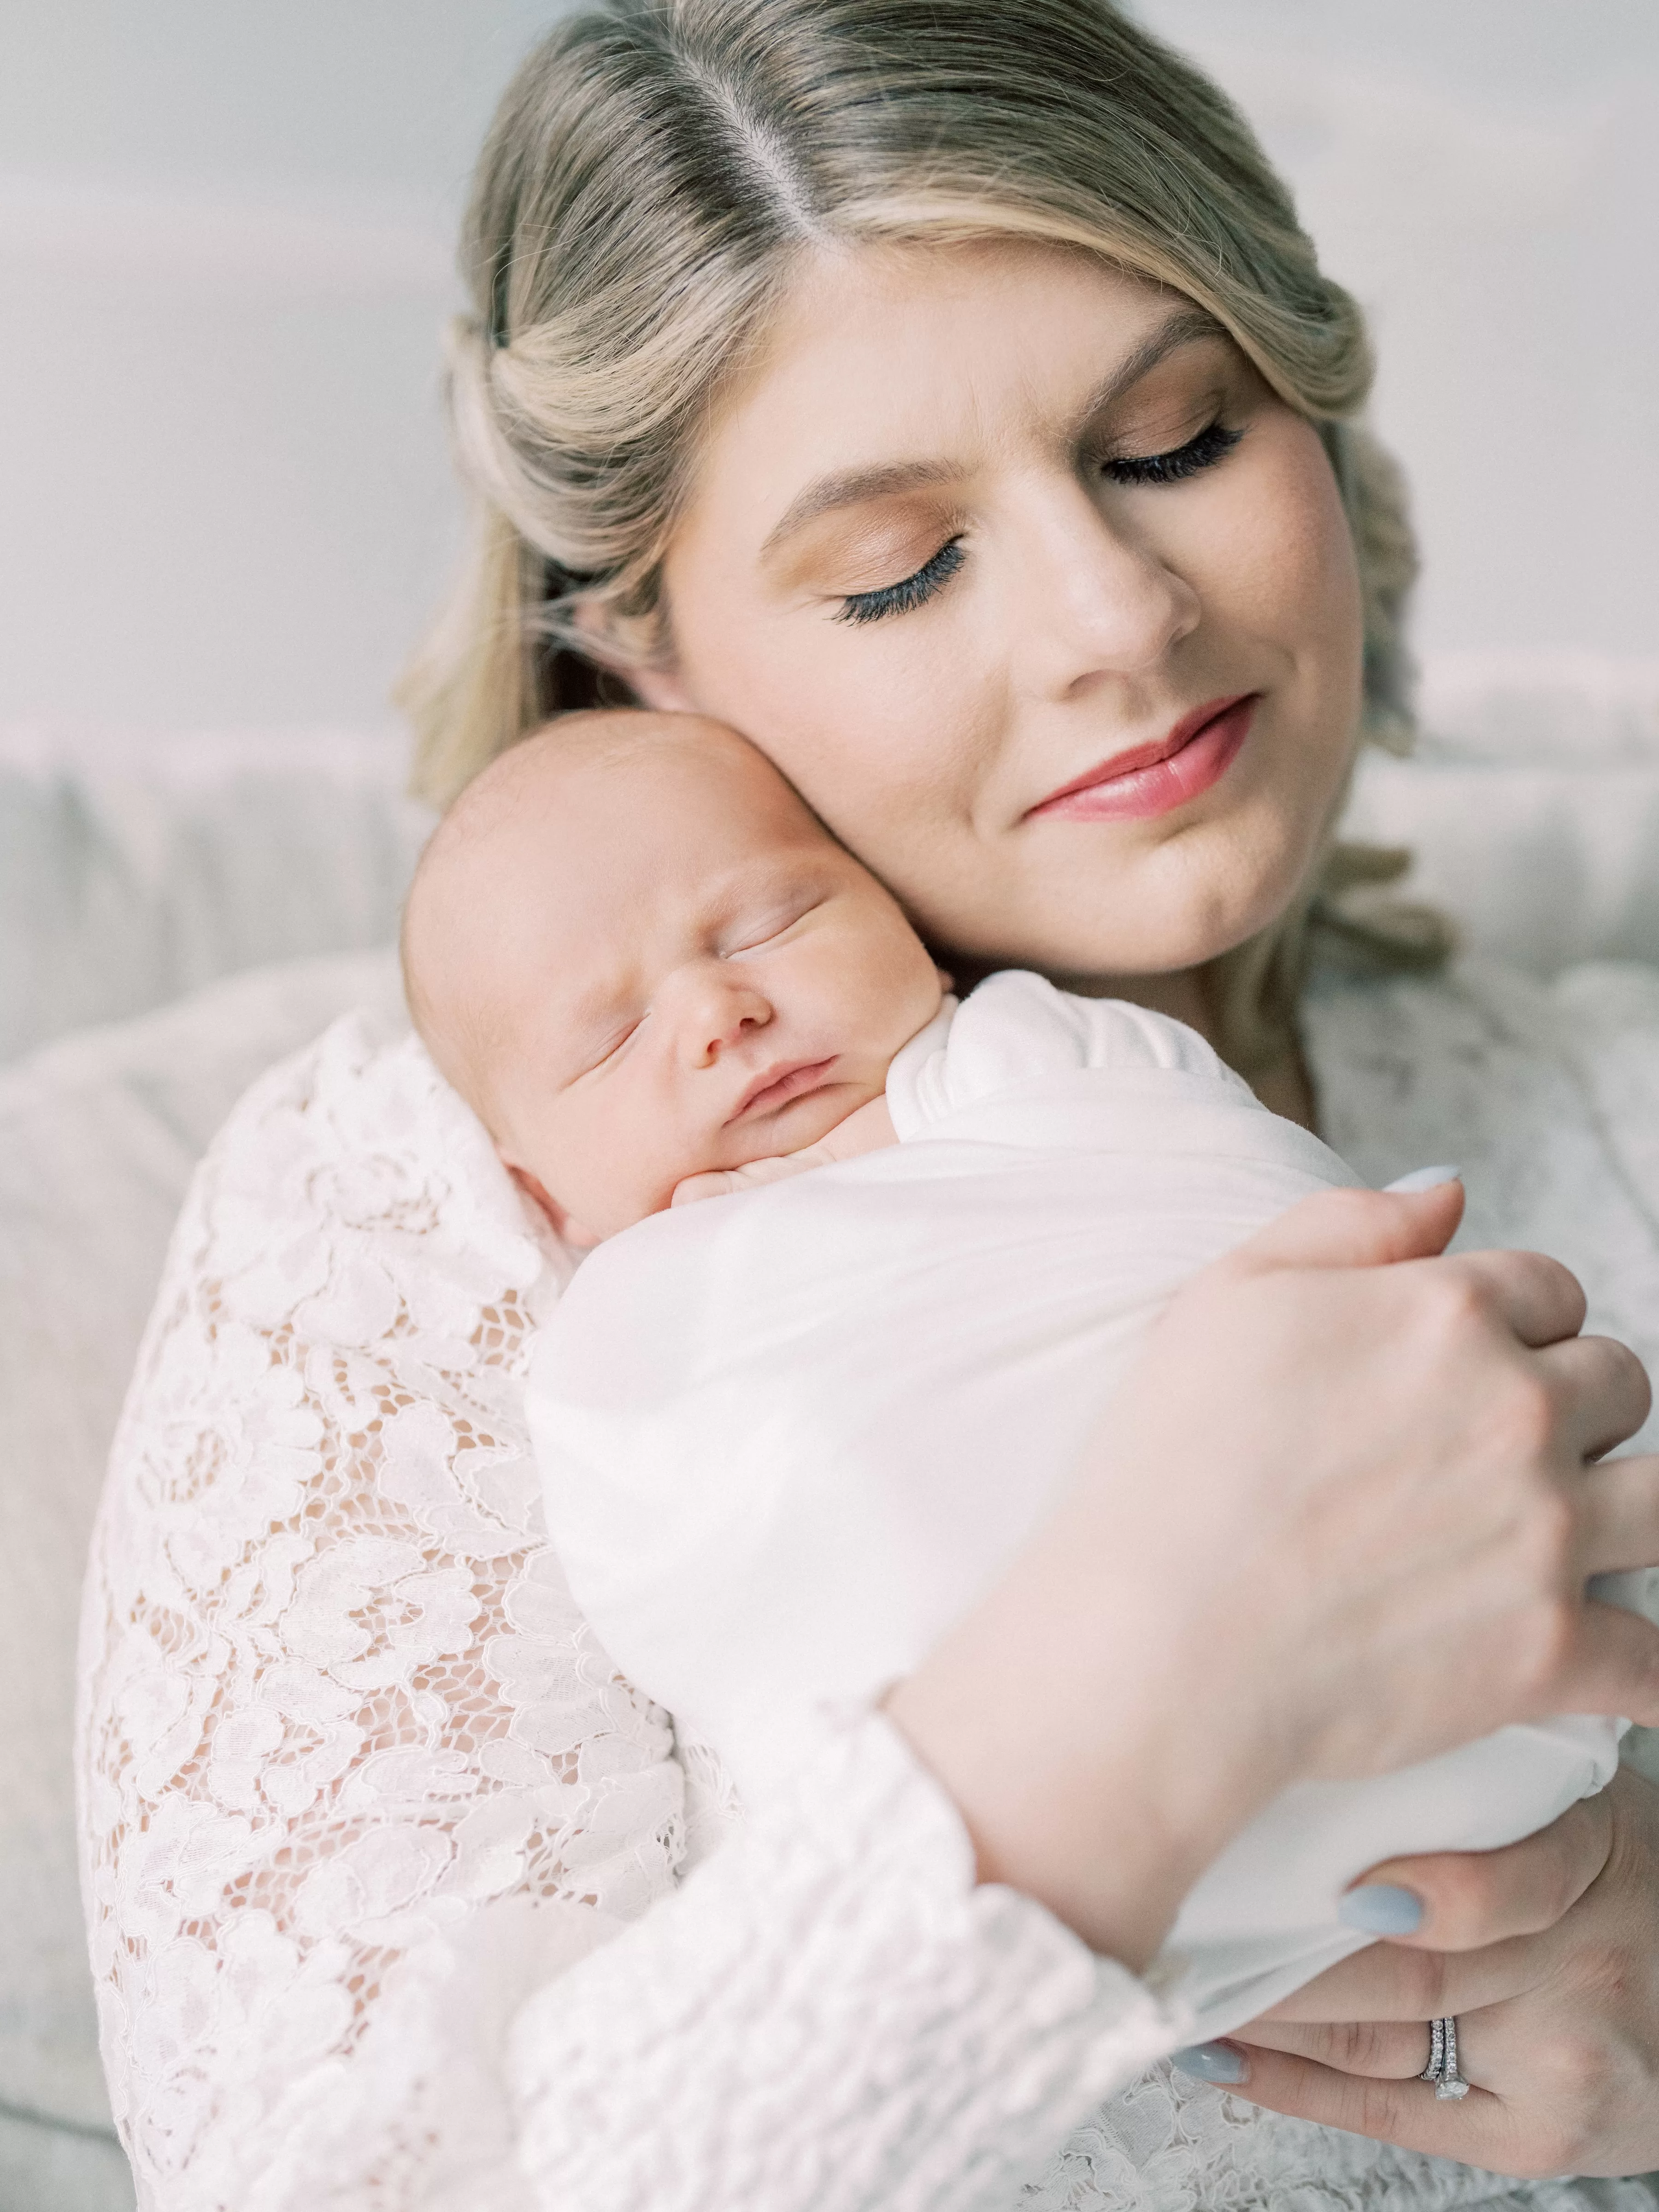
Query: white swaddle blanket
{"type": "Point", "coordinates": [788, 1437]}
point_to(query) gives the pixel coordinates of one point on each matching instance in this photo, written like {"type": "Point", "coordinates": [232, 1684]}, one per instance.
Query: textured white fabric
{"type": "Point", "coordinates": [100, 1135]}
{"type": "Point", "coordinates": [787, 1438]}
{"type": "Point", "coordinates": [357, 1776]}
{"type": "Point", "coordinates": [358, 1780]}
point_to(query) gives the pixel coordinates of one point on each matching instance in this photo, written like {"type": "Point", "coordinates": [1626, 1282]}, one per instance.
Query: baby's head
{"type": "Point", "coordinates": [636, 953]}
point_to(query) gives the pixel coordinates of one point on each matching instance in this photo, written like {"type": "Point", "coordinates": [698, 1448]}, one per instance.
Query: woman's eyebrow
{"type": "Point", "coordinates": [1185, 327]}
{"type": "Point", "coordinates": [849, 487]}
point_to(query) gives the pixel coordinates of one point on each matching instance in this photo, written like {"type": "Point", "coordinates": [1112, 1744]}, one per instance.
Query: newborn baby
{"type": "Point", "coordinates": [641, 959]}
{"type": "Point", "coordinates": [788, 1437]}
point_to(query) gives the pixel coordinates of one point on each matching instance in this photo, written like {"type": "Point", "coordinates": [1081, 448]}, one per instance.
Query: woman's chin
{"type": "Point", "coordinates": [1087, 948]}
{"type": "Point", "coordinates": [1185, 903]}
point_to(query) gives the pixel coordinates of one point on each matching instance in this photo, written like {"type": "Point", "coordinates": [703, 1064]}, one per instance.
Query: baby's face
{"type": "Point", "coordinates": [667, 967]}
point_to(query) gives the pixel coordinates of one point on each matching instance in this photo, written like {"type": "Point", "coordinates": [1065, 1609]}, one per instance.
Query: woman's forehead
{"type": "Point", "coordinates": [889, 365]}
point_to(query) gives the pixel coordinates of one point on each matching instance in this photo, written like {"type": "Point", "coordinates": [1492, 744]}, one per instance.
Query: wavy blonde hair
{"type": "Point", "coordinates": [659, 173]}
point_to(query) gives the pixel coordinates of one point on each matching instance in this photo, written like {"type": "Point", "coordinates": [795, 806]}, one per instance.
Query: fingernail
{"type": "Point", "coordinates": [1213, 2062]}
{"type": "Point", "coordinates": [1382, 1909]}
{"type": "Point", "coordinates": [1425, 1179]}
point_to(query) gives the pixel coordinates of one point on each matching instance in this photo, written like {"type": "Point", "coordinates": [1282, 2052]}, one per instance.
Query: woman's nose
{"type": "Point", "coordinates": [717, 1006]}
{"type": "Point", "coordinates": [1100, 598]}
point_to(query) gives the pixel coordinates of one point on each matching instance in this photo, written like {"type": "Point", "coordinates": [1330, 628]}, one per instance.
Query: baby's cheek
{"type": "Point", "coordinates": [663, 1157]}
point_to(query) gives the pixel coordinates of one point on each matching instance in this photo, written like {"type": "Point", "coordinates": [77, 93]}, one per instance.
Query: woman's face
{"type": "Point", "coordinates": [1037, 592]}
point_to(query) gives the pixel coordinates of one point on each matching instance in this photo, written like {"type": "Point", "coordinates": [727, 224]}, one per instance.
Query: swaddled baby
{"type": "Point", "coordinates": [789, 1436]}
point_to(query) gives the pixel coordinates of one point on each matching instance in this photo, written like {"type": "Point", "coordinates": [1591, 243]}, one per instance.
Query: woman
{"type": "Point", "coordinates": [947, 397]}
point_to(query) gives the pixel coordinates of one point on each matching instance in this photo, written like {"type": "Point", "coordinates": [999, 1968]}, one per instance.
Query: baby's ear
{"type": "Point", "coordinates": [947, 981]}
{"type": "Point", "coordinates": [564, 1226]}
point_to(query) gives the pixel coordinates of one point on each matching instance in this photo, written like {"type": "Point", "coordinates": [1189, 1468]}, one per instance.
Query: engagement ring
{"type": "Point", "coordinates": [1441, 2068]}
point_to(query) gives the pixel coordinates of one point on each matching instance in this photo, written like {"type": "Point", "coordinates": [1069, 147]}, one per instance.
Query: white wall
{"type": "Point", "coordinates": [224, 259]}
{"type": "Point", "coordinates": [225, 256]}
{"type": "Point", "coordinates": [1481, 172]}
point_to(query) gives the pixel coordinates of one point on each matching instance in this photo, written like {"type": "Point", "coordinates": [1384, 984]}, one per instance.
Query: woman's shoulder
{"type": "Point", "coordinates": [365, 1094]}
{"type": "Point", "coordinates": [353, 1161]}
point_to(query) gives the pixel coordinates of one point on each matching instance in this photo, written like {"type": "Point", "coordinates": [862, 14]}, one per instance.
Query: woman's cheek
{"type": "Point", "coordinates": [880, 747]}
{"type": "Point", "coordinates": [1286, 584]}
{"type": "Point", "coordinates": [1299, 569]}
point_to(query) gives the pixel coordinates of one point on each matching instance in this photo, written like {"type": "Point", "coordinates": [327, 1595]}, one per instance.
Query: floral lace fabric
{"type": "Point", "coordinates": [385, 1866]}
{"type": "Point", "coordinates": [366, 1811]}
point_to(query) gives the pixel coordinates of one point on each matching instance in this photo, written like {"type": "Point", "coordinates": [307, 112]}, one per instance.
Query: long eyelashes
{"type": "Point", "coordinates": [1212, 444]}
{"type": "Point", "coordinates": [909, 592]}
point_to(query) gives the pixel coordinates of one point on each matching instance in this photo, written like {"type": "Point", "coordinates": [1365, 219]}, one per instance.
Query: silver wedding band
{"type": "Point", "coordinates": [1441, 2068]}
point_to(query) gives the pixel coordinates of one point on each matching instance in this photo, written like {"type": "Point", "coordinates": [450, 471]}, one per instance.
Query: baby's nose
{"type": "Point", "coordinates": [723, 1007]}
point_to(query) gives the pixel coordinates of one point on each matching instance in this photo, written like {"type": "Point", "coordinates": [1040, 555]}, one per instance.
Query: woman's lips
{"type": "Point", "coordinates": [1152, 779]}
{"type": "Point", "coordinates": [777, 1087]}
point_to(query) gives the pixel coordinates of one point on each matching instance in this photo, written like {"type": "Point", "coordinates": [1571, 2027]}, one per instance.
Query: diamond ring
{"type": "Point", "coordinates": [1441, 2068]}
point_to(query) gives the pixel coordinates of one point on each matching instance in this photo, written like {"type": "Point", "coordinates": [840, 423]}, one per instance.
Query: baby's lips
{"type": "Point", "coordinates": [788, 1080]}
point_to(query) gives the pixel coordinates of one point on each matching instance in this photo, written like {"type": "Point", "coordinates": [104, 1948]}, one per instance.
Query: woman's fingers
{"type": "Point", "coordinates": [1479, 2130]}
{"type": "Point", "coordinates": [1470, 1898]}
{"type": "Point", "coordinates": [1601, 1389]}
{"type": "Point", "coordinates": [1541, 1301]}
{"type": "Point", "coordinates": [1619, 1513]}
{"type": "Point", "coordinates": [1488, 1933]}
{"type": "Point", "coordinates": [1391, 1982]}
{"type": "Point", "coordinates": [1354, 1229]}
{"type": "Point", "coordinates": [1380, 2050]}
{"type": "Point", "coordinates": [1614, 1667]}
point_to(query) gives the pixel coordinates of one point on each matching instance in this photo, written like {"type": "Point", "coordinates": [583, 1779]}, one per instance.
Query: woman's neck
{"type": "Point", "coordinates": [1185, 996]}
{"type": "Point", "coordinates": [1284, 1086]}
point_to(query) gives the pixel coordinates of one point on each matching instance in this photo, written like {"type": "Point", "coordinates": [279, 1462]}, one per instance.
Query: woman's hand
{"type": "Point", "coordinates": [1340, 1517]}
{"type": "Point", "coordinates": [1547, 1956]}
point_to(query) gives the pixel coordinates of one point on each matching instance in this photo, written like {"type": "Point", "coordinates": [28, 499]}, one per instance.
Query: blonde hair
{"type": "Point", "coordinates": [655, 176]}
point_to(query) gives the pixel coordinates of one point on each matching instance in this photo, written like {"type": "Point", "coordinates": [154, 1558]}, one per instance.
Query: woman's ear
{"type": "Point", "coordinates": [563, 1223]}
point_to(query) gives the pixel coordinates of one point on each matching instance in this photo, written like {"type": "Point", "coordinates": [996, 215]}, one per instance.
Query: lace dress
{"type": "Point", "coordinates": [400, 1897]}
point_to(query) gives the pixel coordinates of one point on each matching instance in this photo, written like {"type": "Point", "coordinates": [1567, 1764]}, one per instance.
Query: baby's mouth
{"type": "Point", "coordinates": [776, 1086]}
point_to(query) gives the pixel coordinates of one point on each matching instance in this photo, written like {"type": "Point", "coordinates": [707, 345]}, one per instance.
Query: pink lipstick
{"type": "Point", "coordinates": [1152, 779]}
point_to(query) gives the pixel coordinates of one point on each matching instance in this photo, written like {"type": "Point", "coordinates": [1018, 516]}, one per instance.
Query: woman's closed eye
{"type": "Point", "coordinates": [912, 590]}
{"type": "Point", "coordinates": [1213, 443]}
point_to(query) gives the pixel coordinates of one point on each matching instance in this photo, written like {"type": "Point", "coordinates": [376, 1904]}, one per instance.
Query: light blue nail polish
{"type": "Point", "coordinates": [1382, 1909]}
{"type": "Point", "coordinates": [1425, 1179]}
{"type": "Point", "coordinates": [1211, 2061]}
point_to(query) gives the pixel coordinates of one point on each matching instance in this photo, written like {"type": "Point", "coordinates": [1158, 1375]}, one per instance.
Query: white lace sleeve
{"type": "Point", "coordinates": [382, 1858]}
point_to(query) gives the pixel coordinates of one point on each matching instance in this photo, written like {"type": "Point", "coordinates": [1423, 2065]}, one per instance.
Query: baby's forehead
{"type": "Point", "coordinates": [602, 835]}
{"type": "Point", "coordinates": [560, 879]}
{"type": "Point", "coordinates": [589, 834]}
{"type": "Point", "coordinates": [647, 755]}
{"type": "Point", "coordinates": [666, 806]}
